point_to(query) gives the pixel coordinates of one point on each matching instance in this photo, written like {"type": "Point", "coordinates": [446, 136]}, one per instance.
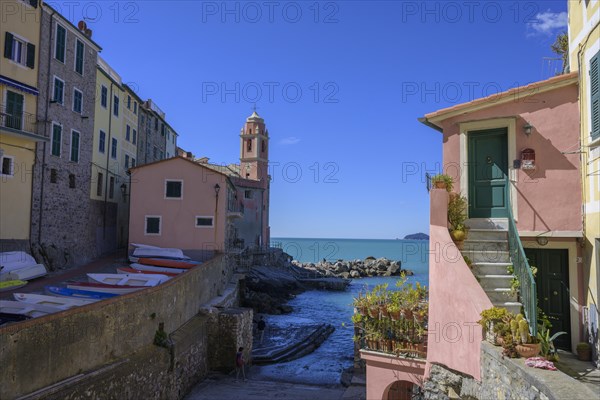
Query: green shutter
{"type": "Point", "coordinates": [33, 3]}
{"type": "Point", "coordinates": [60, 43]}
{"type": "Point", "coordinates": [8, 45]}
{"type": "Point", "coordinates": [595, 95]}
{"type": "Point", "coordinates": [30, 55]}
{"type": "Point", "coordinates": [75, 146]}
{"type": "Point", "coordinates": [79, 57]}
{"type": "Point", "coordinates": [56, 140]}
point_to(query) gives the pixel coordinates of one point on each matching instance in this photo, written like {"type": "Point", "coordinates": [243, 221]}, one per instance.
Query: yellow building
{"type": "Point", "coordinates": [20, 129]}
{"type": "Point", "coordinates": [584, 56]}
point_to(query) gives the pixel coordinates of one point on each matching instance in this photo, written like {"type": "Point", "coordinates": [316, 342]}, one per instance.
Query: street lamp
{"type": "Point", "coordinates": [217, 188]}
{"type": "Point", "coordinates": [124, 191]}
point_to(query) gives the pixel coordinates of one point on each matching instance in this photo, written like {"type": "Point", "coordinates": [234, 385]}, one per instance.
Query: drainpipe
{"type": "Point", "coordinates": [43, 175]}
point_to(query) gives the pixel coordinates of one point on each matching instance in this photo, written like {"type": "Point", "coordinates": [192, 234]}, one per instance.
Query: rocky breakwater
{"type": "Point", "coordinates": [368, 267]}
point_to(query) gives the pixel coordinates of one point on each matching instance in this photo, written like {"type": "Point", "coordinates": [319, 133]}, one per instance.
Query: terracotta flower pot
{"type": "Point", "coordinates": [440, 185]}
{"type": "Point", "coordinates": [584, 354]}
{"type": "Point", "coordinates": [395, 315]}
{"type": "Point", "coordinates": [374, 311]}
{"type": "Point", "coordinates": [372, 344]}
{"type": "Point", "coordinates": [384, 311]}
{"type": "Point", "coordinates": [529, 349]}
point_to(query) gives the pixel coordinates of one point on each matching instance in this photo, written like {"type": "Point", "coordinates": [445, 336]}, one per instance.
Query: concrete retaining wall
{"type": "Point", "coordinates": [43, 351]}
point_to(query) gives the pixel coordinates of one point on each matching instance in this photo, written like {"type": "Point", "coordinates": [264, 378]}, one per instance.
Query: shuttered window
{"type": "Point", "coordinates": [56, 139]}
{"type": "Point", "coordinates": [74, 146]}
{"type": "Point", "coordinates": [79, 47]}
{"type": "Point", "coordinates": [595, 95]}
{"type": "Point", "coordinates": [19, 50]}
{"type": "Point", "coordinates": [61, 43]}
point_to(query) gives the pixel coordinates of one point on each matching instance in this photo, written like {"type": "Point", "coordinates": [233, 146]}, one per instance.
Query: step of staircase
{"type": "Point", "coordinates": [485, 244]}
{"type": "Point", "coordinates": [512, 306]}
{"type": "Point", "coordinates": [487, 223]}
{"type": "Point", "coordinates": [501, 295]}
{"type": "Point", "coordinates": [495, 281]}
{"type": "Point", "coordinates": [487, 256]}
{"type": "Point", "coordinates": [490, 268]}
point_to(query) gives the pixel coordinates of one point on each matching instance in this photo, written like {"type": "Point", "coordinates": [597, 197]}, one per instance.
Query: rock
{"type": "Point", "coordinates": [345, 275]}
{"type": "Point", "coordinates": [354, 274]}
{"type": "Point", "coordinates": [407, 272]}
{"type": "Point", "coordinates": [393, 268]}
{"type": "Point", "coordinates": [370, 258]}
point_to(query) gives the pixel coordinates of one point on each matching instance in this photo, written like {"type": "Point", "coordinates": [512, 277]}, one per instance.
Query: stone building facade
{"type": "Point", "coordinates": [62, 223]}
{"type": "Point", "coordinates": [152, 131]}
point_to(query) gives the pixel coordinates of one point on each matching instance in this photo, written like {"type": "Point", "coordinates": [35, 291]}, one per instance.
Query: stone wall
{"type": "Point", "coordinates": [502, 378]}
{"type": "Point", "coordinates": [61, 233]}
{"type": "Point", "coordinates": [43, 351]}
{"type": "Point", "coordinates": [228, 331]}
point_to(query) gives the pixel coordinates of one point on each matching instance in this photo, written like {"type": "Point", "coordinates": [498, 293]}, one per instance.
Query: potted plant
{"type": "Point", "coordinates": [547, 343]}
{"type": "Point", "coordinates": [490, 317]}
{"type": "Point", "coordinates": [442, 181]}
{"type": "Point", "coordinates": [457, 215]}
{"type": "Point", "coordinates": [584, 351]}
{"type": "Point", "coordinates": [394, 311]}
{"type": "Point", "coordinates": [525, 346]}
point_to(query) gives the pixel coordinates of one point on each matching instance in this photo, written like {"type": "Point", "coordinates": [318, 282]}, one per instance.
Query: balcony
{"type": "Point", "coordinates": [235, 210]}
{"type": "Point", "coordinates": [19, 125]}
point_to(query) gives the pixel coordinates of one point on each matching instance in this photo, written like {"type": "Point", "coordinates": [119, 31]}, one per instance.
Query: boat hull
{"type": "Point", "coordinates": [104, 288]}
{"type": "Point", "coordinates": [77, 294]}
{"type": "Point", "coordinates": [63, 303]}
{"type": "Point", "coordinates": [128, 279]}
{"type": "Point", "coordinates": [32, 310]}
{"type": "Point", "coordinates": [125, 270]}
{"type": "Point", "coordinates": [144, 267]}
{"type": "Point", "coordinates": [165, 262]}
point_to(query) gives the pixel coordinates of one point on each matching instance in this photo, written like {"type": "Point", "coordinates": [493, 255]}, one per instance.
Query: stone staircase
{"type": "Point", "coordinates": [487, 247]}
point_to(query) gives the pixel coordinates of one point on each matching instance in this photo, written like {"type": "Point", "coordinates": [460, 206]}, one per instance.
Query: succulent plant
{"type": "Point", "coordinates": [524, 331]}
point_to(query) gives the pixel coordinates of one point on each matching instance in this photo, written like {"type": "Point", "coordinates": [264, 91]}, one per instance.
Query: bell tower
{"type": "Point", "coordinates": [254, 149]}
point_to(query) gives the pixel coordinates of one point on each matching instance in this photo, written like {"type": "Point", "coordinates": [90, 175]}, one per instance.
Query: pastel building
{"type": "Point", "coordinates": [192, 204]}
{"type": "Point", "coordinates": [20, 129]}
{"type": "Point", "coordinates": [584, 58]}
{"type": "Point", "coordinates": [61, 216]}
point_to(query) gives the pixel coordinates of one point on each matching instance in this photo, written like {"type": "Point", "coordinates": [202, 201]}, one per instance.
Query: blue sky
{"type": "Point", "coordinates": [340, 85]}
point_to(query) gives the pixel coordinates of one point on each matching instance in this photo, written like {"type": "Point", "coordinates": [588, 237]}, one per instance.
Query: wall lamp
{"type": "Point", "coordinates": [542, 240]}
{"type": "Point", "coordinates": [124, 191]}
{"type": "Point", "coordinates": [527, 128]}
{"type": "Point", "coordinates": [217, 188]}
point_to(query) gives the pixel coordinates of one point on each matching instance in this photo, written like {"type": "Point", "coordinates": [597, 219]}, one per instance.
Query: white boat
{"type": "Point", "coordinates": [31, 310]}
{"type": "Point", "coordinates": [144, 267]}
{"type": "Point", "coordinates": [63, 303]}
{"type": "Point", "coordinates": [104, 288]}
{"type": "Point", "coordinates": [144, 250]}
{"type": "Point", "coordinates": [18, 265]}
{"type": "Point", "coordinates": [128, 279]}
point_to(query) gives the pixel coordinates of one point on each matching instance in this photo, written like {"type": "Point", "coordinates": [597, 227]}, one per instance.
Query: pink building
{"type": "Point", "coordinates": [194, 205]}
{"type": "Point", "coordinates": [515, 157]}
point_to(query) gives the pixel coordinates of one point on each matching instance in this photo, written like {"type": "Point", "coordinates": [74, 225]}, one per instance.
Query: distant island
{"type": "Point", "coordinates": [417, 236]}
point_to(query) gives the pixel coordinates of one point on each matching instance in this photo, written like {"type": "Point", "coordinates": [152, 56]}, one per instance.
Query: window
{"type": "Point", "coordinates": [99, 184]}
{"type": "Point", "coordinates": [249, 145]}
{"type": "Point", "coordinates": [134, 137]}
{"type": "Point", "coordinates": [102, 142]}
{"type": "Point", "coordinates": [162, 129]}
{"type": "Point", "coordinates": [59, 91]}
{"type": "Point", "coordinates": [113, 148]}
{"type": "Point", "coordinates": [74, 146]}
{"type": "Point", "coordinates": [162, 155]}
{"type": "Point", "coordinates": [77, 101]}
{"type": "Point", "coordinates": [128, 133]}
{"type": "Point", "coordinates": [173, 189]}
{"type": "Point", "coordinates": [595, 96]}
{"type": "Point", "coordinates": [53, 175]}
{"type": "Point", "coordinates": [204, 222]}
{"type": "Point", "coordinates": [155, 124]}
{"type": "Point", "coordinates": [111, 187]}
{"type": "Point", "coordinates": [79, 51]}
{"type": "Point", "coordinates": [155, 152]}
{"type": "Point", "coordinates": [263, 146]}
{"type": "Point", "coordinates": [8, 164]}
{"type": "Point", "coordinates": [116, 106]}
{"type": "Point", "coordinates": [60, 43]}
{"type": "Point", "coordinates": [126, 160]}
{"type": "Point", "coordinates": [128, 102]}
{"type": "Point", "coordinates": [56, 139]}
{"type": "Point", "coordinates": [248, 194]}
{"type": "Point", "coordinates": [103, 96]}
{"type": "Point", "coordinates": [153, 225]}
{"type": "Point", "coordinates": [135, 108]}
{"type": "Point", "coordinates": [14, 110]}
{"type": "Point", "coordinates": [132, 162]}
{"type": "Point", "coordinates": [19, 50]}
{"type": "Point", "coordinates": [72, 181]}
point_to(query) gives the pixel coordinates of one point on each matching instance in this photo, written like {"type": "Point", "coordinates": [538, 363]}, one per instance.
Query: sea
{"type": "Point", "coordinates": [325, 365]}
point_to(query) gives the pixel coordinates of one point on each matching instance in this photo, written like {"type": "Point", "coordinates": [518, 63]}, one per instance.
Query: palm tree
{"type": "Point", "coordinates": [561, 48]}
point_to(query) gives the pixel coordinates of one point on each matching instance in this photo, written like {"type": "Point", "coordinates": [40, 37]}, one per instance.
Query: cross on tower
{"type": "Point", "coordinates": [254, 108]}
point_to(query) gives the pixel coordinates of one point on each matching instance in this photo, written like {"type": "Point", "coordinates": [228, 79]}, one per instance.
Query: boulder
{"type": "Point", "coordinates": [354, 274]}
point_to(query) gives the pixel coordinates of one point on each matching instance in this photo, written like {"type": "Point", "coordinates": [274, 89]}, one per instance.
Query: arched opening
{"type": "Point", "coordinates": [402, 390]}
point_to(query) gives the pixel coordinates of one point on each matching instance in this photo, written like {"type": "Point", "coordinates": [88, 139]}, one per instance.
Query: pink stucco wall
{"type": "Point", "coordinates": [455, 298]}
{"type": "Point", "coordinates": [178, 216]}
{"type": "Point", "coordinates": [383, 370]}
{"type": "Point", "coordinates": [549, 197]}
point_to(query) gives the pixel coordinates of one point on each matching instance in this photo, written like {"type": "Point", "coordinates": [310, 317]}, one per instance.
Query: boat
{"type": "Point", "coordinates": [126, 270]}
{"type": "Point", "coordinates": [7, 318]}
{"type": "Point", "coordinates": [144, 250]}
{"type": "Point", "coordinates": [165, 262]}
{"type": "Point", "coordinates": [104, 288]}
{"type": "Point", "coordinates": [128, 279]}
{"type": "Point", "coordinates": [18, 265]}
{"type": "Point", "coordinates": [144, 267]}
{"type": "Point", "coordinates": [64, 303]}
{"type": "Point", "coordinates": [77, 294]}
{"type": "Point", "coordinates": [32, 310]}
{"type": "Point", "coordinates": [11, 285]}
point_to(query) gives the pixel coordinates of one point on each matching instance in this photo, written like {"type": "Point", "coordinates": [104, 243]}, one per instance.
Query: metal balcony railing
{"type": "Point", "coordinates": [23, 121]}
{"type": "Point", "coordinates": [522, 270]}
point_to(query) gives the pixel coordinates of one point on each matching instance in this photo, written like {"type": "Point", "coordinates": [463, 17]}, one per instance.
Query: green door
{"type": "Point", "coordinates": [488, 173]}
{"type": "Point", "coordinates": [552, 282]}
{"type": "Point", "coordinates": [14, 110]}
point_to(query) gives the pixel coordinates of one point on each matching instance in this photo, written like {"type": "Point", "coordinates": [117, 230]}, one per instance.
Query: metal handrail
{"type": "Point", "coordinates": [22, 121]}
{"type": "Point", "coordinates": [522, 270]}
{"type": "Point", "coordinates": [428, 182]}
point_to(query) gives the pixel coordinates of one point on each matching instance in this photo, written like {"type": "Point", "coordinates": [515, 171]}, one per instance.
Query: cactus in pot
{"type": "Point", "coordinates": [524, 331]}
